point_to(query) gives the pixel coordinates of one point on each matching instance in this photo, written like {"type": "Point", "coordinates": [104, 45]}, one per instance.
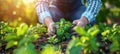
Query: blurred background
{"type": "Point", "coordinates": [19, 11]}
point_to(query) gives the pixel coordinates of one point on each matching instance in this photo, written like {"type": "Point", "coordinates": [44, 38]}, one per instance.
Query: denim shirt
{"type": "Point", "coordinates": [93, 7]}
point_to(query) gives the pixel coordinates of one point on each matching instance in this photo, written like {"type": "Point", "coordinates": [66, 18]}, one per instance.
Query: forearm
{"type": "Point", "coordinates": [42, 9]}
{"type": "Point", "coordinates": [48, 20]}
{"type": "Point", "coordinates": [92, 10]}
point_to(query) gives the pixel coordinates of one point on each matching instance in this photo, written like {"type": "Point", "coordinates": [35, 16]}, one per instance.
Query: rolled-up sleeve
{"type": "Point", "coordinates": [92, 9]}
{"type": "Point", "coordinates": [42, 9]}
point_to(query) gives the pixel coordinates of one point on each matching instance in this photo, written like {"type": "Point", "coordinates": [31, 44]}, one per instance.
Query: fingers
{"type": "Point", "coordinates": [78, 23]}
{"type": "Point", "coordinates": [75, 22]}
{"type": "Point", "coordinates": [51, 30]}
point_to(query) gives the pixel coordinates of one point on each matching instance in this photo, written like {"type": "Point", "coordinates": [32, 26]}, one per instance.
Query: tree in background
{"type": "Point", "coordinates": [110, 9]}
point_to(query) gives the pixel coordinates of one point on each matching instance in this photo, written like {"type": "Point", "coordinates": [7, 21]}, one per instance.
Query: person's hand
{"type": "Point", "coordinates": [80, 22]}
{"type": "Point", "coordinates": [51, 29]}
{"type": "Point", "coordinates": [50, 25]}
{"type": "Point", "coordinates": [77, 23]}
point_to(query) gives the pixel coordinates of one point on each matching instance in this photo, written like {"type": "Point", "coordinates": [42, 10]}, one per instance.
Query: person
{"type": "Point", "coordinates": [50, 11]}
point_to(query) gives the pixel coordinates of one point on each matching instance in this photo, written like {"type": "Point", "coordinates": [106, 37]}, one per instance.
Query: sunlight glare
{"type": "Point", "coordinates": [28, 1]}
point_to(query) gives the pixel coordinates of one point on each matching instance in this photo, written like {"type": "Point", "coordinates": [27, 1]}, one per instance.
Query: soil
{"type": "Point", "coordinates": [104, 46]}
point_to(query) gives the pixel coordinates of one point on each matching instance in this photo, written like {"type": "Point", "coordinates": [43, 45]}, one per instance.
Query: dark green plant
{"type": "Point", "coordinates": [62, 31]}
{"type": "Point", "coordinates": [51, 49]}
{"type": "Point", "coordinates": [109, 9]}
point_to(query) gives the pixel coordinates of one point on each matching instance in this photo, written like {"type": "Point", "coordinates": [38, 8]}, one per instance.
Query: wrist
{"type": "Point", "coordinates": [81, 23]}
{"type": "Point", "coordinates": [84, 20]}
{"type": "Point", "coordinates": [51, 24]}
{"type": "Point", "coordinates": [48, 21]}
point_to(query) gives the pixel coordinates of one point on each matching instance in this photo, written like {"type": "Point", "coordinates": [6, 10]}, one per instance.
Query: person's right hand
{"type": "Point", "coordinates": [50, 25]}
{"type": "Point", "coordinates": [51, 29]}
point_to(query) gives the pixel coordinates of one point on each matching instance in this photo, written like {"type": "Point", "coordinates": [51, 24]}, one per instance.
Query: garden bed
{"type": "Point", "coordinates": [100, 39]}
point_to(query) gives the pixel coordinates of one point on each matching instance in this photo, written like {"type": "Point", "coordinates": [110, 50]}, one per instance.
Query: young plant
{"type": "Point", "coordinates": [50, 49]}
{"type": "Point", "coordinates": [62, 31]}
{"type": "Point", "coordinates": [22, 39]}
{"type": "Point", "coordinates": [38, 29]}
{"type": "Point", "coordinates": [4, 30]}
{"type": "Point", "coordinates": [86, 42]}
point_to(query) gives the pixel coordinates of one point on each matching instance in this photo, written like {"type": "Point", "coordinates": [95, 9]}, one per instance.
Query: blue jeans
{"type": "Point", "coordinates": [71, 15]}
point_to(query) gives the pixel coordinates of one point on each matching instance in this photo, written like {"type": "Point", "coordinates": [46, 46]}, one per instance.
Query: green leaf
{"type": "Point", "coordinates": [79, 30]}
{"type": "Point", "coordinates": [60, 32]}
{"type": "Point", "coordinates": [62, 21]}
{"type": "Point", "coordinates": [22, 42]}
{"type": "Point", "coordinates": [22, 29]}
{"type": "Point", "coordinates": [36, 36]}
{"type": "Point", "coordinates": [76, 50]}
{"type": "Point", "coordinates": [49, 49]}
{"type": "Point", "coordinates": [93, 31]}
{"type": "Point", "coordinates": [115, 46]}
{"type": "Point", "coordinates": [74, 47]}
{"type": "Point", "coordinates": [28, 49]}
{"type": "Point", "coordinates": [51, 39]}
{"type": "Point", "coordinates": [11, 36]}
{"type": "Point", "coordinates": [11, 44]}
{"type": "Point", "coordinates": [93, 44]}
{"type": "Point", "coordinates": [0, 44]}
{"type": "Point", "coordinates": [105, 32]}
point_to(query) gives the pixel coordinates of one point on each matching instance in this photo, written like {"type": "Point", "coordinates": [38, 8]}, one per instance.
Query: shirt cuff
{"type": "Point", "coordinates": [89, 16]}
{"type": "Point", "coordinates": [43, 15]}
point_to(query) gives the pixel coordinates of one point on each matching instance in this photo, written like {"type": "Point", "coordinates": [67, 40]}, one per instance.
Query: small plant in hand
{"type": "Point", "coordinates": [62, 31]}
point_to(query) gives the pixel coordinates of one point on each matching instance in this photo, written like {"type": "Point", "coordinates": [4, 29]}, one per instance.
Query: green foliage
{"type": "Point", "coordinates": [88, 37]}
{"type": "Point", "coordinates": [80, 30]}
{"type": "Point", "coordinates": [62, 31]}
{"type": "Point", "coordinates": [0, 44]}
{"type": "Point", "coordinates": [110, 9]}
{"type": "Point", "coordinates": [74, 46]}
{"type": "Point", "coordinates": [28, 49]}
{"type": "Point", "coordinates": [23, 37]}
{"type": "Point", "coordinates": [22, 30]}
{"type": "Point", "coordinates": [114, 36]}
{"type": "Point", "coordinates": [38, 29]}
{"type": "Point", "coordinates": [50, 49]}
{"type": "Point", "coordinates": [53, 39]}
{"type": "Point", "coordinates": [11, 43]}
{"type": "Point", "coordinates": [87, 40]}
{"type": "Point", "coordinates": [4, 30]}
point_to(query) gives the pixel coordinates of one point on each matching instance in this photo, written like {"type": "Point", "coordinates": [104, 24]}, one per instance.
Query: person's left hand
{"type": "Point", "coordinates": [80, 22]}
